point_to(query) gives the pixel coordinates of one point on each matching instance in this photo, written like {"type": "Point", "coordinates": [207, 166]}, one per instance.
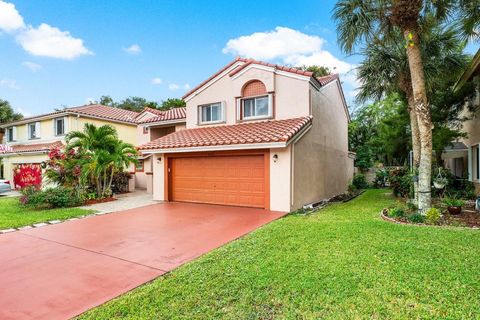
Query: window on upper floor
{"type": "Point", "coordinates": [10, 132]}
{"type": "Point", "coordinates": [59, 126]}
{"type": "Point", "coordinates": [33, 130]}
{"type": "Point", "coordinates": [211, 113]}
{"type": "Point", "coordinates": [255, 102]}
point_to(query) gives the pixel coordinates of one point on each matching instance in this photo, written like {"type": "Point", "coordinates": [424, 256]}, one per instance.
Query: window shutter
{"type": "Point", "coordinates": [14, 131]}
{"type": "Point", "coordinates": [37, 130]}
{"type": "Point", "coordinates": [270, 104]}
{"type": "Point", "coordinates": [7, 135]}
{"type": "Point", "coordinates": [224, 111]}
{"type": "Point", "coordinates": [239, 112]}
{"type": "Point", "coordinates": [470, 164]}
{"type": "Point", "coordinates": [54, 127]}
{"type": "Point", "coordinates": [27, 126]}
{"type": "Point", "coordinates": [65, 121]}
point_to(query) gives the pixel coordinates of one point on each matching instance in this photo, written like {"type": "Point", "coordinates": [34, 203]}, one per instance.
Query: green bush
{"type": "Point", "coordinates": [452, 202]}
{"type": "Point", "coordinates": [432, 216]}
{"type": "Point", "coordinates": [360, 181]}
{"type": "Point", "coordinates": [381, 177]}
{"type": "Point", "coordinates": [397, 213]}
{"type": "Point", "coordinates": [416, 218]}
{"type": "Point", "coordinates": [56, 197]}
{"type": "Point", "coordinates": [401, 182]}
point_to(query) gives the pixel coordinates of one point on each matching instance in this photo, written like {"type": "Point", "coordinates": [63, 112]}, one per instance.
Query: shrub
{"type": "Point", "coordinates": [57, 197]}
{"type": "Point", "coordinates": [120, 182]}
{"type": "Point", "coordinates": [452, 202]}
{"type": "Point", "coordinates": [401, 182]}
{"type": "Point", "coordinates": [397, 213]}
{"type": "Point", "coordinates": [360, 181]}
{"type": "Point", "coordinates": [381, 177]}
{"type": "Point", "coordinates": [416, 218]}
{"type": "Point", "coordinates": [432, 216]}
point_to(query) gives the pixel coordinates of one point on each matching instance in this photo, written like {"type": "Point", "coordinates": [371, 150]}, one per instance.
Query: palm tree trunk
{"type": "Point", "coordinates": [415, 142]}
{"type": "Point", "coordinates": [424, 119]}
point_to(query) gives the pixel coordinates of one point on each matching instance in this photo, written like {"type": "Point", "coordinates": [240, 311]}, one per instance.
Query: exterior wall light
{"type": "Point", "coordinates": [275, 157]}
{"type": "Point", "coordinates": [159, 159]}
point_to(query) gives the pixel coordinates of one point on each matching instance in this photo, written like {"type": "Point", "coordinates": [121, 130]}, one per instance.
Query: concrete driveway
{"type": "Point", "coordinates": [60, 271]}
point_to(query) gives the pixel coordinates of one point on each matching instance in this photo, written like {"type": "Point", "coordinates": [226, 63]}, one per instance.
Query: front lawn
{"type": "Point", "coordinates": [13, 215]}
{"type": "Point", "coordinates": [342, 262]}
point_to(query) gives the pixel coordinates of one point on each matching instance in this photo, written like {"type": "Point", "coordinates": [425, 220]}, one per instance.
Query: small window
{"type": "Point", "coordinates": [60, 126]}
{"type": "Point", "coordinates": [139, 166]}
{"type": "Point", "coordinates": [210, 113]}
{"type": "Point", "coordinates": [257, 107]}
{"type": "Point", "coordinates": [10, 134]}
{"type": "Point", "coordinates": [32, 131]}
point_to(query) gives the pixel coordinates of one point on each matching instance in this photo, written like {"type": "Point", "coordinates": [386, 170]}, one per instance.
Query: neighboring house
{"type": "Point", "coordinates": [257, 135]}
{"type": "Point", "coordinates": [153, 124]}
{"type": "Point", "coordinates": [32, 138]}
{"type": "Point", "coordinates": [471, 145]}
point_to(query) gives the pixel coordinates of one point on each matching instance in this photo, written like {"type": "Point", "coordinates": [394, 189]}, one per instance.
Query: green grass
{"type": "Point", "coordinates": [342, 262]}
{"type": "Point", "coordinates": [13, 215]}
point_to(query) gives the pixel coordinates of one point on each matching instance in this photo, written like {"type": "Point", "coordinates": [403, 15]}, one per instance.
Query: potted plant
{"type": "Point", "coordinates": [440, 183]}
{"type": "Point", "coordinates": [454, 206]}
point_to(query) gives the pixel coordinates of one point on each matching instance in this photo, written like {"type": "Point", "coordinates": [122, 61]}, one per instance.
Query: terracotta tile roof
{"type": "Point", "coordinates": [278, 67]}
{"type": "Point", "coordinates": [327, 79]}
{"type": "Point", "coordinates": [105, 112]}
{"type": "Point", "coordinates": [172, 114]}
{"type": "Point", "coordinates": [236, 134]}
{"type": "Point", "coordinates": [19, 148]}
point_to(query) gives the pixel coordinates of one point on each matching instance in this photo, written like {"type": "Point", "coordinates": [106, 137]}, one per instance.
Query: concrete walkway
{"type": "Point", "coordinates": [131, 200]}
{"type": "Point", "coordinates": [60, 271]}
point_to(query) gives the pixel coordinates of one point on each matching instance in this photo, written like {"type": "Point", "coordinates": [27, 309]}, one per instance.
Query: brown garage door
{"type": "Point", "coordinates": [227, 180]}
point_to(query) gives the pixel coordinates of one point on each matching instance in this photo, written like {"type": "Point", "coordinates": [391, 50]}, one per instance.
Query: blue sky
{"type": "Point", "coordinates": [152, 49]}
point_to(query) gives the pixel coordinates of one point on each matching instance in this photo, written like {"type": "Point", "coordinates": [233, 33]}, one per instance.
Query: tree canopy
{"type": "Point", "coordinates": [7, 113]}
{"type": "Point", "coordinates": [137, 104]}
{"type": "Point", "coordinates": [318, 71]}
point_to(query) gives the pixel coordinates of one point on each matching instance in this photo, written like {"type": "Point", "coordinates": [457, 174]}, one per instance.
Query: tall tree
{"type": "Point", "coordinates": [7, 113]}
{"type": "Point", "coordinates": [131, 103]}
{"type": "Point", "coordinates": [363, 22]}
{"type": "Point", "coordinates": [172, 103]}
{"type": "Point", "coordinates": [318, 71]}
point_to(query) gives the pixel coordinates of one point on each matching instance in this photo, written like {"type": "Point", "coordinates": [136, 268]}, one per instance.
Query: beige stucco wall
{"type": "Point", "coordinates": [47, 133]}
{"type": "Point", "coordinates": [280, 180]}
{"type": "Point", "coordinates": [321, 162]}
{"type": "Point", "coordinates": [158, 177]}
{"type": "Point", "coordinates": [291, 97]}
{"type": "Point", "coordinates": [126, 132]}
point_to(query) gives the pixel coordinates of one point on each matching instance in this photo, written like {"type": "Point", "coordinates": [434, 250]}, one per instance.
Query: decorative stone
{"type": "Point", "coordinates": [25, 228]}
{"type": "Point", "coordinates": [72, 219]}
{"type": "Point", "coordinates": [41, 224]}
{"type": "Point", "coordinates": [54, 221]}
{"type": "Point", "coordinates": [8, 230]}
{"type": "Point", "coordinates": [100, 213]}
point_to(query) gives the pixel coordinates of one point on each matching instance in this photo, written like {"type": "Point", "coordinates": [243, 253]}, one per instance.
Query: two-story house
{"type": "Point", "coordinates": [472, 126]}
{"type": "Point", "coordinates": [258, 135]}
{"type": "Point", "coordinates": [30, 139]}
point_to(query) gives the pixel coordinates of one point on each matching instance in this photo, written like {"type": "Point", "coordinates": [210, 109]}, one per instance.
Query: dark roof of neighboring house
{"type": "Point", "coordinates": [168, 115]}
{"type": "Point", "coordinates": [454, 146]}
{"type": "Point", "coordinates": [472, 70]}
{"type": "Point", "coordinates": [20, 148]}
{"type": "Point", "coordinates": [91, 110]}
{"type": "Point", "coordinates": [236, 134]}
{"type": "Point", "coordinates": [248, 62]}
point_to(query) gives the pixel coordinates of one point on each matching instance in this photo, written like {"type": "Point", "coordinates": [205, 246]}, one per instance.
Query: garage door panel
{"type": "Point", "coordinates": [229, 180]}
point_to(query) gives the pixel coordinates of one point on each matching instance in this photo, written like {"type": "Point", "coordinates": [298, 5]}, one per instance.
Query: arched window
{"type": "Point", "coordinates": [255, 103]}
{"type": "Point", "coordinates": [254, 88]}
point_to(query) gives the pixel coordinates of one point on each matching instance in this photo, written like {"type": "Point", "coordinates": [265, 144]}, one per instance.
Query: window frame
{"type": "Point", "coordinates": [269, 114]}
{"type": "Point", "coordinates": [29, 131]}
{"type": "Point", "coordinates": [56, 126]}
{"type": "Point", "coordinates": [200, 113]}
{"type": "Point", "coordinates": [9, 135]}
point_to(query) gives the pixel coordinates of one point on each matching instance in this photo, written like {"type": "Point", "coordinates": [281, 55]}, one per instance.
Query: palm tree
{"type": "Point", "coordinates": [102, 155]}
{"type": "Point", "coordinates": [367, 22]}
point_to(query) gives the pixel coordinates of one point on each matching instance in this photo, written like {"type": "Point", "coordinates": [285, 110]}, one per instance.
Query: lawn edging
{"type": "Point", "coordinates": [392, 220]}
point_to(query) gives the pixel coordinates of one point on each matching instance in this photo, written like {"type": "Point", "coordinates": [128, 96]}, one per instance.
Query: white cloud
{"type": "Point", "coordinates": [133, 49]}
{"type": "Point", "coordinates": [8, 83]}
{"type": "Point", "coordinates": [157, 81]}
{"type": "Point", "coordinates": [186, 86]}
{"type": "Point", "coordinates": [25, 113]}
{"type": "Point", "coordinates": [270, 45]}
{"type": "Point", "coordinates": [290, 47]}
{"type": "Point", "coordinates": [173, 86]}
{"type": "Point", "coordinates": [34, 67]}
{"type": "Point", "coordinates": [51, 42]}
{"type": "Point", "coordinates": [10, 18]}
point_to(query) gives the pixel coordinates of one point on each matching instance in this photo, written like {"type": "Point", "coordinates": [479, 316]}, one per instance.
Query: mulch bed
{"type": "Point", "coordinates": [95, 201]}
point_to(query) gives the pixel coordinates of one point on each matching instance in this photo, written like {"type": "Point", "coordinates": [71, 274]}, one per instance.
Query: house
{"type": "Point", "coordinates": [30, 139]}
{"type": "Point", "coordinates": [153, 124]}
{"type": "Point", "coordinates": [255, 134]}
{"type": "Point", "coordinates": [471, 144]}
